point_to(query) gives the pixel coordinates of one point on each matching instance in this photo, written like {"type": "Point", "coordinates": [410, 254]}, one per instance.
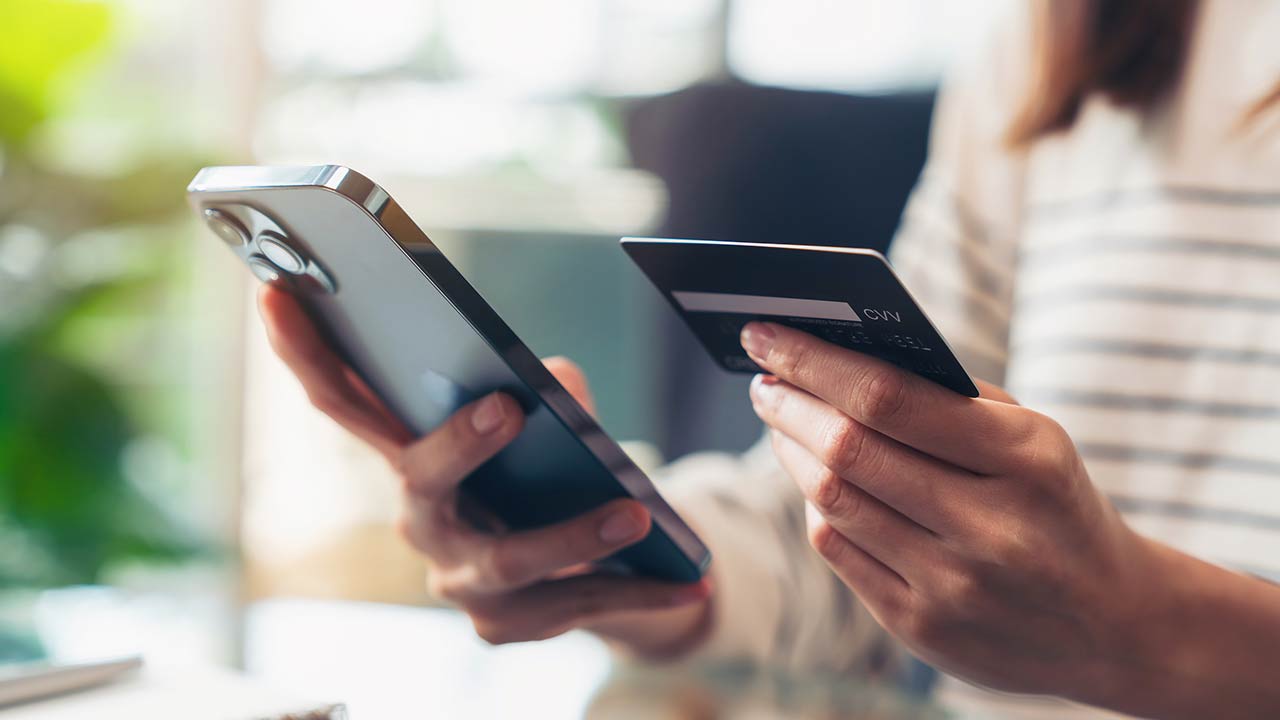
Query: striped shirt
{"type": "Point", "coordinates": [1122, 277]}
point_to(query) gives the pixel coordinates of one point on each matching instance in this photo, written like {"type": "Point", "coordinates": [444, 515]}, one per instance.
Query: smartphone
{"type": "Point", "coordinates": [412, 327]}
{"type": "Point", "coordinates": [847, 296]}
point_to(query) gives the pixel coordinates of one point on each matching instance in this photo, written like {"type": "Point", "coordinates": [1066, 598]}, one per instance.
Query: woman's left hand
{"type": "Point", "coordinates": [968, 527]}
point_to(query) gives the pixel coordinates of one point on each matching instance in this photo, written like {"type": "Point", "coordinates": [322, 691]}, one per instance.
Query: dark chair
{"type": "Point", "coordinates": [757, 164]}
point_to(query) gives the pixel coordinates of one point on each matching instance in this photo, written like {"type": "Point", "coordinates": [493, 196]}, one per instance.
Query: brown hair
{"type": "Point", "coordinates": [1131, 52]}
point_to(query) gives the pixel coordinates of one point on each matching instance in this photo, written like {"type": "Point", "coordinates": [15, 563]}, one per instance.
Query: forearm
{"type": "Point", "coordinates": [1209, 647]}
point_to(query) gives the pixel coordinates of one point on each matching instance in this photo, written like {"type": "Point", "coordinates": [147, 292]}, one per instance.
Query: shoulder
{"type": "Point", "coordinates": [986, 81]}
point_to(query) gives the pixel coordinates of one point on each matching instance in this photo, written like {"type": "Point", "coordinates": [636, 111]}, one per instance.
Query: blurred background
{"type": "Point", "coordinates": [161, 475]}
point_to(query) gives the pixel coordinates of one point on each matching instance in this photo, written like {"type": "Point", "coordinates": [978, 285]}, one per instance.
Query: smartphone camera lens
{"type": "Point", "coordinates": [264, 269]}
{"type": "Point", "coordinates": [279, 252]}
{"type": "Point", "coordinates": [226, 227]}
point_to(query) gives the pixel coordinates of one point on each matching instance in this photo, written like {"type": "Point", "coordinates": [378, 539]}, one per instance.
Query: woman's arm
{"type": "Point", "coordinates": [971, 530]}
{"type": "Point", "coordinates": [1208, 647]}
{"type": "Point", "coordinates": [774, 599]}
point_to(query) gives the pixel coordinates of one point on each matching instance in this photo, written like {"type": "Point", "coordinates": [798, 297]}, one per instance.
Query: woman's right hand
{"type": "Point", "coordinates": [515, 586]}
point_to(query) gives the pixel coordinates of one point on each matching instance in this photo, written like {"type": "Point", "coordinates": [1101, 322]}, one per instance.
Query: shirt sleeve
{"type": "Point", "coordinates": [776, 601]}
{"type": "Point", "coordinates": [956, 247]}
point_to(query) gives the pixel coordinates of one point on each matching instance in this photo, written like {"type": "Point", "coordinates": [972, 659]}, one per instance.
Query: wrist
{"type": "Point", "coordinates": [658, 636]}
{"type": "Point", "coordinates": [1174, 660]}
{"type": "Point", "coordinates": [1150, 650]}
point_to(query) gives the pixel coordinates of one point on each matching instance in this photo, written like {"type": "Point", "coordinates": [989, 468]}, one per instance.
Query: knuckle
{"type": "Point", "coordinates": [439, 589]}
{"type": "Point", "coordinates": [1025, 556]}
{"type": "Point", "coordinates": [503, 566]}
{"type": "Point", "coordinates": [435, 586]}
{"type": "Point", "coordinates": [834, 496]}
{"type": "Point", "coordinates": [828, 489]}
{"type": "Point", "coordinates": [443, 587]}
{"type": "Point", "coordinates": [891, 607]}
{"type": "Point", "coordinates": [325, 400]}
{"type": "Point", "coordinates": [925, 626]}
{"type": "Point", "coordinates": [789, 359]}
{"type": "Point", "coordinates": [1062, 452]}
{"type": "Point", "coordinates": [407, 530]}
{"type": "Point", "coordinates": [1013, 551]}
{"type": "Point", "coordinates": [1023, 436]}
{"type": "Point", "coordinates": [826, 541]}
{"type": "Point", "coordinates": [1052, 577]}
{"type": "Point", "coordinates": [881, 395]}
{"type": "Point", "coordinates": [415, 526]}
{"type": "Point", "coordinates": [948, 604]}
{"type": "Point", "coordinates": [402, 465]}
{"type": "Point", "coordinates": [1049, 455]}
{"type": "Point", "coordinates": [843, 444]}
{"type": "Point", "coordinates": [962, 590]}
{"type": "Point", "coordinates": [493, 632]}
{"type": "Point", "coordinates": [590, 602]}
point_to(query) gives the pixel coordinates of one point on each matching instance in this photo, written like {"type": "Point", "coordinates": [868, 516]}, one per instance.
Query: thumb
{"type": "Point", "coordinates": [573, 380]}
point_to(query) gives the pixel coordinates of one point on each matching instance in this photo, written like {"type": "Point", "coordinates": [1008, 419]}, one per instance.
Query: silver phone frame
{"type": "Point", "coordinates": [400, 229]}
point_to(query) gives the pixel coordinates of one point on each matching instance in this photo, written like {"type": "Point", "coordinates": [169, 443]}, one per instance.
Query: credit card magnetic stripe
{"type": "Point", "coordinates": [765, 305]}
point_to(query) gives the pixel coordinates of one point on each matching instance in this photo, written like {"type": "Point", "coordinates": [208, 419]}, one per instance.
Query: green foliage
{"type": "Point", "coordinates": [70, 362]}
{"type": "Point", "coordinates": [39, 41]}
{"type": "Point", "coordinates": [67, 510]}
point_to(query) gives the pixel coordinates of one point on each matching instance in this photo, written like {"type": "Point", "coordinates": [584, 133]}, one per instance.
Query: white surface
{"type": "Point", "coordinates": [867, 46]}
{"type": "Point", "coordinates": [190, 694]}
{"type": "Point", "coordinates": [86, 624]}
{"type": "Point", "coordinates": [388, 662]}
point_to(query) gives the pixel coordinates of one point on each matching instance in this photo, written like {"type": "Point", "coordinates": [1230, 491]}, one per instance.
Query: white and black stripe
{"type": "Point", "coordinates": [1122, 277]}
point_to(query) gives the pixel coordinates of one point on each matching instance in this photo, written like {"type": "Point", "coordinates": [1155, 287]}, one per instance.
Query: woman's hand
{"type": "Point", "coordinates": [515, 586]}
{"type": "Point", "coordinates": [968, 527]}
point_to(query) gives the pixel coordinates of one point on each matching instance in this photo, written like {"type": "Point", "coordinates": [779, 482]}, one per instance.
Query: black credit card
{"type": "Point", "coordinates": [847, 296]}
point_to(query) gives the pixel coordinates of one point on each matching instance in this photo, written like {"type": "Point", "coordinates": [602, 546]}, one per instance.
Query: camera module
{"type": "Point", "coordinates": [226, 227]}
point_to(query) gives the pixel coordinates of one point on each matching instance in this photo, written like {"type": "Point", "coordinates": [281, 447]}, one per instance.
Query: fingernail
{"type": "Point", "coordinates": [487, 415]}
{"type": "Point", "coordinates": [760, 389]}
{"type": "Point", "coordinates": [763, 380]}
{"type": "Point", "coordinates": [757, 339]}
{"type": "Point", "coordinates": [619, 527]}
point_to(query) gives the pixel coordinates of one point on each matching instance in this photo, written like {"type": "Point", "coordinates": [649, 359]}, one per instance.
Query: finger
{"type": "Point", "coordinates": [551, 608]}
{"type": "Point", "coordinates": [925, 490]}
{"type": "Point", "coordinates": [977, 434]}
{"type": "Point", "coordinates": [370, 398]}
{"type": "Point", "coordinates": [898, 543]}
{"type": "Point", "coordinates": [520, 559]}
{"type": "Point", "coordinates": [436, 464]}
{"type": "Point", "coordinates": [882, 591]}
{"type": "Point", "coordinates": [323, 375]}
{"type": "Point", "coordinates": [994, 392]}
{"type": "Point", "coordinates": [573, 380]}
{"type": "Point", "coordinates": [436, 520]}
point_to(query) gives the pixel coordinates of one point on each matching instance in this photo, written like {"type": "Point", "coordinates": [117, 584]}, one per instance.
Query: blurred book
{"type": "Point", "coordinates": [27, 682]}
